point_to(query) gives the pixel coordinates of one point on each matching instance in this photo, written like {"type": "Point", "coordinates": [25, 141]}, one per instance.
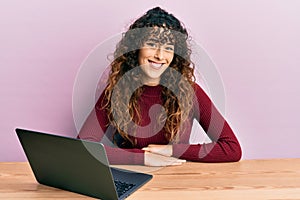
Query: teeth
{"type": "Point", "coordinates": [156, 65]}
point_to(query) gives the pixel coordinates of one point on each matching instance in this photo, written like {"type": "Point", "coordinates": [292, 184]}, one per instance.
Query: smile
{"type": "Point", "coordinates": [155, 65]}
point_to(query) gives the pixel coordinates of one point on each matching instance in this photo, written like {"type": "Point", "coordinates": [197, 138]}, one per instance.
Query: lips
{"type": "Point", "coordinates": [155, 65]}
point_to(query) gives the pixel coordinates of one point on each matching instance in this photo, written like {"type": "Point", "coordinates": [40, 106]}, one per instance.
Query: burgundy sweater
{"type": "Point", "coordinates": [223, 148]}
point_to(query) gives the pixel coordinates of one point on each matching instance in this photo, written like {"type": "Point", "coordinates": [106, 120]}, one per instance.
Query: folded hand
{"type": "Point", "coordinates": [165, 150]}
{"type": "Point", "coordinates": [160, 155]}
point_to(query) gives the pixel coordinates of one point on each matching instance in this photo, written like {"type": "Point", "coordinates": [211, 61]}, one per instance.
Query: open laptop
{"type": "Point", "coordinates": [77, 165]}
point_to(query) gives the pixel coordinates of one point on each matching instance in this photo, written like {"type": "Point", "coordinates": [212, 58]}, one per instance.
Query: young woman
{"type": "Point", "coordinates": [146, 112]}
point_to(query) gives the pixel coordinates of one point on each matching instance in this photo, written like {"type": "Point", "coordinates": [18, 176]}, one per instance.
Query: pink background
{"type": "Point", "coordinates": [255, 45]}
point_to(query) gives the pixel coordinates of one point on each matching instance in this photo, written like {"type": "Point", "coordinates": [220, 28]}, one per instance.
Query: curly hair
{"type": "Point", "coordinates": [124, 79]}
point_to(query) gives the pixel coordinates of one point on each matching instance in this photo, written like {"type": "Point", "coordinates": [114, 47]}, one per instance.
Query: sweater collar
{"type": "Point", "coordinates": [152, 90]}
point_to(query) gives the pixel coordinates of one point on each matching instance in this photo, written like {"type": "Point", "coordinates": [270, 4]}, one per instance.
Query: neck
{"type": "Point", "coordinates": [151, 82]}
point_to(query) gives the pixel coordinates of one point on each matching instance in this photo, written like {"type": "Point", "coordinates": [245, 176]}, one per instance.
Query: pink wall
{"type": "Point", "coordinates": [255, 45]}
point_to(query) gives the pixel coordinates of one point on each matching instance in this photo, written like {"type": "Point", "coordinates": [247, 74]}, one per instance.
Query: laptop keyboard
{"type": "Point", "coordinates": [122, 187]}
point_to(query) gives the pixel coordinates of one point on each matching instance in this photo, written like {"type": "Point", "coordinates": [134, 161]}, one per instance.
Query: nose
{"type": "Point", "coordinates": [159, 53]}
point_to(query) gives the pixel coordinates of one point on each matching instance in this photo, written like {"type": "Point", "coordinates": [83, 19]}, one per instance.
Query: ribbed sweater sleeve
{"type": "Point", "coordinates": [96, 128]}
{"type": "Point", "coordinates": [224, 146]}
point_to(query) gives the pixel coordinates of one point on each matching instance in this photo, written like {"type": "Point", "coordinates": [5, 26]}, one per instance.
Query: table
{"type": "Point", "coordinates": [272, 179]}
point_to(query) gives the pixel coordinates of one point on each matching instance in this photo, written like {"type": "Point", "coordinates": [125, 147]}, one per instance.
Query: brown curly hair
{"type": "Point", "coordinates": [124, 80]}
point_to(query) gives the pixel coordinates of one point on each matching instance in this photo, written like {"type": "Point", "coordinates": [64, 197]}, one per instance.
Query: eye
{"type": "Point", "coordinates": [169, 48]}
{"type": "Point", "coordinates": [151, 44]}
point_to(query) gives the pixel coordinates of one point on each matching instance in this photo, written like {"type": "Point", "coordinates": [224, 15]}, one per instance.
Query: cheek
{"type": "Point", "coordinates": [146, 52]}
{"type": "Point", "coordinates": [143, 54]}
{"type": "Point", "coordinates": [139, 60]}
{"type": "Point", "coordinates": [170, 58]}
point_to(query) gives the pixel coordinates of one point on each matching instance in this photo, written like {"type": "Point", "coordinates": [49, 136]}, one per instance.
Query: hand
{"type": "Point", "coordinates": [152, 159]}
{"type": "Point", "coordinates": [164, 150]}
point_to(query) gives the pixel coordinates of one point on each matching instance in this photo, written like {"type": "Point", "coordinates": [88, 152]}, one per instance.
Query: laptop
{"type": "Point", "coordinates": [77, 166]}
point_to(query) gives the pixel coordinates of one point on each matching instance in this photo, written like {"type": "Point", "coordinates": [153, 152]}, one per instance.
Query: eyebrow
{"type": "Point", "coordinates": [157, 41]}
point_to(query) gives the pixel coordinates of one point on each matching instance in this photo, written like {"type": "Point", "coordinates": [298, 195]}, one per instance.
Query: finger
{"type": "Point", "coordinates": [146, 149]}
{"type": "Point", "coordinates": [175, 164]}
{"type": "Point", "coordinates": [178, 162]}
{"type": "Point", "coordinates": [177, 159]}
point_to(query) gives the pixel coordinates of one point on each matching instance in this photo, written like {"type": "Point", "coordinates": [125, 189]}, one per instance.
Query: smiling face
{"type": "Point", "coordinates": [154, 58]}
